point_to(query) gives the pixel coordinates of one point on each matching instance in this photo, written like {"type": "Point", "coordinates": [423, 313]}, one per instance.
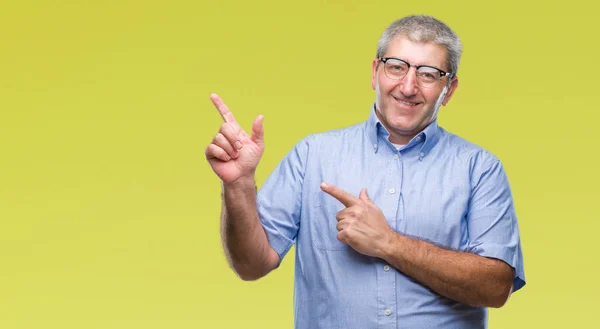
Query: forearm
{"type": "Point", "coordinates": [467, 278]}
{"type": "Point", "coordinates": [244, 239]}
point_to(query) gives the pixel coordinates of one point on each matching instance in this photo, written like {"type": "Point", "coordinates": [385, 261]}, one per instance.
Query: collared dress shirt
{"type": "Point", "coordinates": [438, 188]}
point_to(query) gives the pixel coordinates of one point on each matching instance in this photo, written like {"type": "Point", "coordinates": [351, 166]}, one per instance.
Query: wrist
{"type": "Point", "coordinates": [390, 247]}
{"type": "Point", "coordinates": [244, 183]}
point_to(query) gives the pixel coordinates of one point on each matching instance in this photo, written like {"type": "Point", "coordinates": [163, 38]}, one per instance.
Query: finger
{"type": "Point", "coordinates": [364, 195]}
{"type": "Point", "coordinates": [214, 152]}
{"type": "Point", "coordinates": [223, 109]}
{"type": "Point", "coordinates": [349, 213]}
{"type": "Point", "coordinates": [221, 141]}
{"type": "Point", "coordinates": [258, 131]}
{"type": "Point", "coordinates": [342, 225]}
{"type": "Point", "coordinates": [342, 236]}
{"type": "Point", "coordinates": [231, 135]}
{"type": "Point", "coordinates": [342, 196]}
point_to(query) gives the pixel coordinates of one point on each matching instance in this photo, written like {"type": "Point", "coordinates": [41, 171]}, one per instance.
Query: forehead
{"type": "Point", "coordinates": [417, 53]}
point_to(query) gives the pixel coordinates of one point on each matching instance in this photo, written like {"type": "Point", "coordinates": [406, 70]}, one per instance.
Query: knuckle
{"type": "Point", "coordinates": [217, 137]}
{"type": "Point", "coordinates": [353, 212]}
{"type": "Point", "coordinates": [225, 128]}
{"type": "Point", "coordinates": [360, 212]}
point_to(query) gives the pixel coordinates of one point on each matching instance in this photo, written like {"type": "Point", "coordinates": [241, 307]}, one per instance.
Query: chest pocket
{"type": "Point", "coordinates": [322, 223]}
{"type": "Point", "coordinates": [436, 215]}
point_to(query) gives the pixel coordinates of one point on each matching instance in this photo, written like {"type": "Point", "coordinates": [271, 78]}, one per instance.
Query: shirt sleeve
{"type": "Point", "coordinates": [492, 221]}
{"type": "Point", "coordinates": [279, 200]}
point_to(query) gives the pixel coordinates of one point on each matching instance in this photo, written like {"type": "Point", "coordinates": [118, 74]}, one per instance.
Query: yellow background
{"type": "Point", "coordinates": [109, 213]}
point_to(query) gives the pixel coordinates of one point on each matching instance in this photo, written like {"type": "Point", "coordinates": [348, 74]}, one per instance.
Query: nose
{"type": "Point", "coordinates": [408, 84]}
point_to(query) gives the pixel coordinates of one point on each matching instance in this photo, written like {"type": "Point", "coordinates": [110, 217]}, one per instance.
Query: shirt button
{"type": "Point", "coordinates": [418, 138]}
{"type": "Point", "coordinates": [396, 156]}
{"type": "Point", "coordinates": [386, 268]}
{"type": "Point", "coordinates": [388, 312]}
{"type": "Point", "coordinates": [374, 146]}
{"type": "Point", "coordinates": [392, 191]}
{"type": "Point", "coordinates": [422, 154]}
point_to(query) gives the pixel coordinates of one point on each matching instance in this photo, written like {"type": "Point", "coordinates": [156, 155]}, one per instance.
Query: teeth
{"type": "Point", "coordinates": [407, 103]}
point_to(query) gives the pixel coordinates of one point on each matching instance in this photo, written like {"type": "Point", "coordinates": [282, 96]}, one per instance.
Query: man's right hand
{"type": "Point", "coordinates": [233, 154]}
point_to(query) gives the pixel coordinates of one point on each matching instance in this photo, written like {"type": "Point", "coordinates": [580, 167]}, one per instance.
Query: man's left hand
{"type": "Point", "coordinates": [362, 224]}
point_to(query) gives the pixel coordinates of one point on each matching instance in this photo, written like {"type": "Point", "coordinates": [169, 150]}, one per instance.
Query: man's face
{"type": "Point", "coordinates": [403, 106]}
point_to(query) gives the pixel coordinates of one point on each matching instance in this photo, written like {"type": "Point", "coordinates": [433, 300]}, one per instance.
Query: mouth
{"type": "Point", "coordinates": [406, 104]}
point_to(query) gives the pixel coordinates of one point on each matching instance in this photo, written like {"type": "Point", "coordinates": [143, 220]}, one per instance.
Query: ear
{"type": "Point", "coordinates": [374, 73]}
{"type": "Point", "coordinates": [453, 86]}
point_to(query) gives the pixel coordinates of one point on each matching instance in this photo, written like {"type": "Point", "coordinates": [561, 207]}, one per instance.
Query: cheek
{"type": "Point", "coordinates": [384, 86]}
{"type": "Point", "coordinates": [432, 96]}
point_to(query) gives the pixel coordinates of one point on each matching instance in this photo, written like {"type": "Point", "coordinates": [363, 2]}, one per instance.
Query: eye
{"type": "Point", "coordinates": [429, 76]}
{"type": "Point", "coordinates": [396, 67]}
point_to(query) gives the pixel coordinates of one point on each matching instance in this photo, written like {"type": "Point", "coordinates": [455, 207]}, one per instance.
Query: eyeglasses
{"type": "Point", "coordinates": [427, 76]}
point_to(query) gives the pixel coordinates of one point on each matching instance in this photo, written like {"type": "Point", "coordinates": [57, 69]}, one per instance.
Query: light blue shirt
{"type": "Point", "coordinates": [438, 188]}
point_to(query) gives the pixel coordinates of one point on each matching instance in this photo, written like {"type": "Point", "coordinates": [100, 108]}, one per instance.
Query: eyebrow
{"type": "Point", "coordinates": [411, 64]}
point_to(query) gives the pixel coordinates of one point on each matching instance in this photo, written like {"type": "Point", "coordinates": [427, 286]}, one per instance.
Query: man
{"type": "Point", "coordinates": [397, 223]}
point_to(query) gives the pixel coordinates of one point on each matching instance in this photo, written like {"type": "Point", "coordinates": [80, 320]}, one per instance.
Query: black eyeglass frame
{"type": "Point", "coordinates": [442, 72]}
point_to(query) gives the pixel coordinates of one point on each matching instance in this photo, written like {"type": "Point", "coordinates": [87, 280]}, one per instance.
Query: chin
{"type": "Point", "coordinates": [401, 122]}
{"type": "Point", "coordinates": [407, 126]}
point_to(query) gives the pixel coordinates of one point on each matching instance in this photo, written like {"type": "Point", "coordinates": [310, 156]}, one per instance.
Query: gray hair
{"type": "Point", "coordinates": [427, 29]}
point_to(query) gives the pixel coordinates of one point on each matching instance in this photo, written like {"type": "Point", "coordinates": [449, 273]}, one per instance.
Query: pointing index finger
{"type": "Point", "coordinates": [223, 109]}
{"type": "Point", "coordinates": [342, 196]}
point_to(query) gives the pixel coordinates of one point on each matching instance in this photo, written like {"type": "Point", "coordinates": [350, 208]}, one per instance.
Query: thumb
{"type": "Point", "coordinates": [364, 195]}
{"type": "Point", "coordinates": [258, 132]}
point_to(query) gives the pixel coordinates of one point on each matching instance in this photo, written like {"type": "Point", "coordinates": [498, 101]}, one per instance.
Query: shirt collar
{"type": "Point", "coordinates": [428, 137]}
{"type": "Point", "coordinates": [372, 128]}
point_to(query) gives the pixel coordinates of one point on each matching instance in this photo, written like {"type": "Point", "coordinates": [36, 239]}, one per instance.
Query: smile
{"type": "Point", "coordinates": [405, 102]}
